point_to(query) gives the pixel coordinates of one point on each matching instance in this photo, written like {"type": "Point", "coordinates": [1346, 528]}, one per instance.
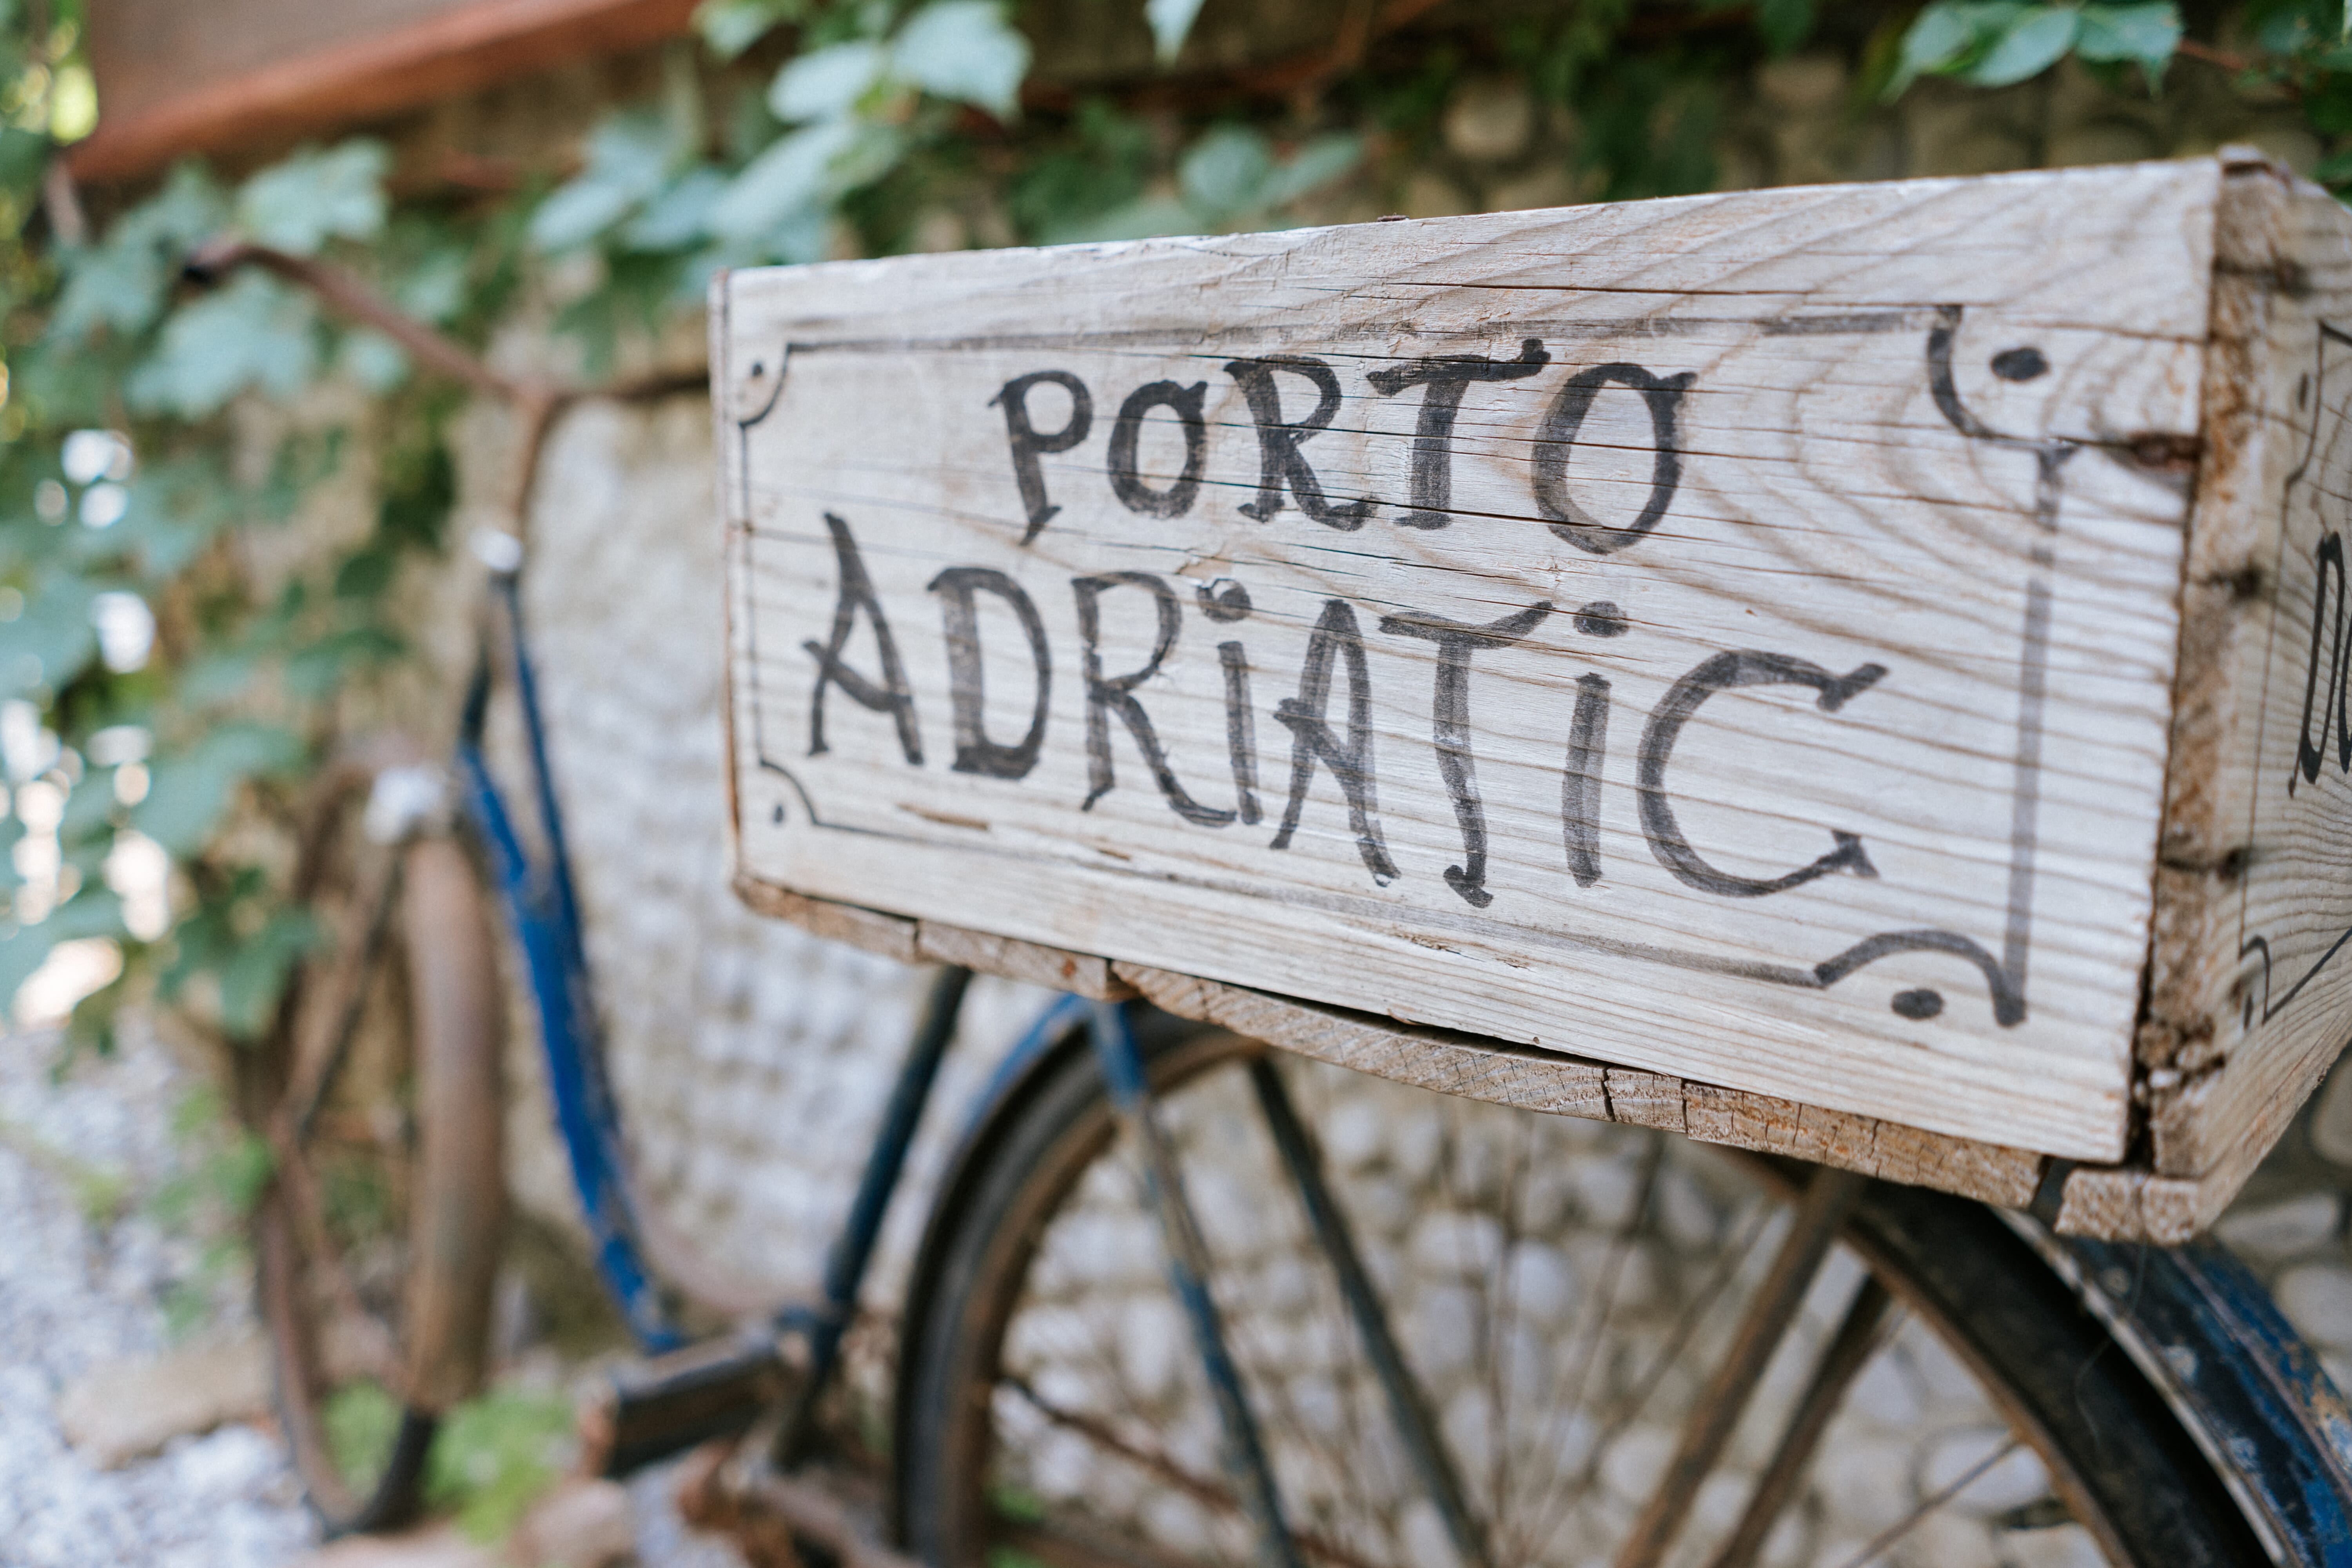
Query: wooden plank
{"type": "Point", "coordinates": [1537, 1080]}
{"type": "Point", "coordinates": [875, 932]}
{"type": "Point", "coordinates": [2128, 1203]}
{"type": "Point", "coordinates": [1857, 513]}
{"type": "Point", "coordinates": [175, 79]}
{"type": "Point", "coordinates": [1075, 971]}
{"type": "Point", "coordinates": [2250, 990]}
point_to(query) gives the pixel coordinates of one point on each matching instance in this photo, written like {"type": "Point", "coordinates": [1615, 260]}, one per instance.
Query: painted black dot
{"type": "Point", "coordinates": [1224, 600]}
{"type": "Point", "coordinates": [1922, 1003]}
{"type": "Point", "coordinates": [758, 369]}
{"type": "Point", "coordinates": [2019, 365]}
{"type": "Point", "coordinates": [777, 816]}
{"type": "Point", "coordinates": [1602, 619]}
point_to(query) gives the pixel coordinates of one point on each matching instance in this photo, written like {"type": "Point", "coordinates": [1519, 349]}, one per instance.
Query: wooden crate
{"type": "Point", "coordinates": [1858, 671]}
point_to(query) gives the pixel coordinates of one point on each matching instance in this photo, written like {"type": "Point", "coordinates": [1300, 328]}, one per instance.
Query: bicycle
{"type": "Point", "coordinates": [1673, 1335]}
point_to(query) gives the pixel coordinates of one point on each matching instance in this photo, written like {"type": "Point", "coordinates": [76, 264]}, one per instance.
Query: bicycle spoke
{"type": "Point", "coordinates": [1858, 1338]}
{"type": "Point", "coordinates": [1407, 1404]}
{"type": "Point", "coordinates": [1571, 1484]}
{"type": "Point", "coordinates": [1876, 1546]}
{"type": "Point", "coordinates": [1828, 1196]}
{"type": "Point", "coordinates": [1187, 1256]}
{"type": "Point", "coordinates": [1199, 1488]}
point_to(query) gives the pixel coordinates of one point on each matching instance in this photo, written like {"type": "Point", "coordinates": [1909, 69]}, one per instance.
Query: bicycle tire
{"type": "Point", "coordinates": [2116, 1454]}
{"type": "Point", "coordinates": [456, 1215]}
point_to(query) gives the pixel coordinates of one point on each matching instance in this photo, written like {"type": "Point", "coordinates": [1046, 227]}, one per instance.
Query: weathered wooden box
{"type": "Point", "coordinates": [1859, 671]}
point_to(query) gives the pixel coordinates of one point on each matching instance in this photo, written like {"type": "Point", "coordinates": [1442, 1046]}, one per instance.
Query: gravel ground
{"type": "Point", "coordinates": [74, 1294]}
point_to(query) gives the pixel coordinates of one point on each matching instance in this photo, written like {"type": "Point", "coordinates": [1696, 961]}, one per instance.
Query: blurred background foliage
{"type": "Point", "coordinates": [167, 676]}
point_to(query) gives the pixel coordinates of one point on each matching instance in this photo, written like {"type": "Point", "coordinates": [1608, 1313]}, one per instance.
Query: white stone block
{"type": "Point", "coordinates": [1457, 1243]}
{"type": "Point", "coordinates": [1544, 1286]}
{"type": "Point", "coordinates": [2317, 1298]}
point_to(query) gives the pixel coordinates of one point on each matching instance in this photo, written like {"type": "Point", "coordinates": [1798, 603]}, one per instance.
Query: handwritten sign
{"type": "Point", "coordinates": [1732, 636]}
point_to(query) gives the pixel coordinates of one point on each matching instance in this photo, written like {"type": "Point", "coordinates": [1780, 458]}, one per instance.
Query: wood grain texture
{"type": "Point", "coordinates": [1772, 687]}
{"type": "Point", "coordinates": [1483, 1069]}
{"type": "Point", "coordinates": [2134, 1203]}
{"type": "Point", "coordinates": [176, 78]}
{"type": "Point", "coordinates": [2251, 991]}
{"type": "Point", "coordinates": [886, 935]}
{"type": "Point", "coordinates": [928, 942]}
{"type": "Point", "coordinates": [1074, 971]}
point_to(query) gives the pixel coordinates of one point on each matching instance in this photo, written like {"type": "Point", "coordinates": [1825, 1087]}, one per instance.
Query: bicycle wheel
{"type": "Point", "coordinates": [1572, 1299]}
{"type": "Point", "coordinates": [376, 1242]}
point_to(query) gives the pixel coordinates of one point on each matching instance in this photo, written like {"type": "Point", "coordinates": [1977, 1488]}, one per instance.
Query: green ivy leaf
{"type": "Point", "coordinates": [1945, 36]}
{"type": "Point", "coordinates": [966, 51]}
{"type": "Point", "coordinates": [435, 289]}
{"type": "Point", "coordinates": [255, 331]}
{"type": "Point", "coordinates": [315, 196]}
{"type": "Point", "coordinates": [123, 283]}
{"type": "Point", "coordinates": [730, 26]}
{"type": "Point", "coordinates": [94, 911]}
{"type": "Point", "coordinates": [217, 678]}
{"type": "Point", "coordinates": [175, 509]}
{"type": "Point", "coordinates": [2145, 36]}
{"type": "Point", "coordinates": [629, 159]}
{"type": "Point", "coordinates": [119, 285]}
{"type": "Point", "coordinates": [373, 360]}
{"type": "Point", "coordinates": [1225, 170]}
{"type": "Point", "coordinates": [1171, 22]}
{"type": "Point", "coordinates": [827, 83]}
{"type": "Point", "coordinates": [494, 1455]}
{"type": "Point", "coordinates": [187, 793]}
{"type": "Point", "coordinates": [90, 811]}
{"type": "Point", "coordinates": [681, 215]}
{"type": "Point", "coordinates": [1312, 168]}
{"type": "Point", "coordinates": [12, 833]}
{"type": "Point", "coordinates": [2030, 45]}
{"type": "Point", "coordinates": [785, 182]}
{"type": "Point", "coordinates": [52, 641]}
{"type": "Point", "coordinates": [23, 155]}
{"type": "Point", "coordinates": [255, 974]}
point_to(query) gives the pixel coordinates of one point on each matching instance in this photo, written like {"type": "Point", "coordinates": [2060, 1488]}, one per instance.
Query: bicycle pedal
{"type": "Point", "coordinates": [651, 1409]}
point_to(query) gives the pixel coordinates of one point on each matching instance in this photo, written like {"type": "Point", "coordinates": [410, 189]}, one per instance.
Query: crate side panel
{"type": "Point", "coordinates": [2254, 954]}
{"type": "Point", "coordinates": [1753, 669]}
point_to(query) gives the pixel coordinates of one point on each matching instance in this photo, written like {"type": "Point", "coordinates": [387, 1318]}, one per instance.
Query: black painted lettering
{"type": "Point", "coordinates": [975, 752]}
{"type": "Point", "coordinates": [1241, 731]}
{"type": "Point", "coordinates": [1726, 672]}
{"type": "Point", "coordinates": [1556, 442]}
{"type": "Point", "coordinates": [1126, 431]}
{"type": "Point", "coordinates": [2311, 754]}
{"type": "Point", "coordinates": [1579, 785]}
{"type": "Point", "coordinates": [1029, 443]}
{"type": "Point", "coordinates": [1450, 727]}
{"type": "Point", "coordinates": [1311, 739]}
{"type": "Point", "coordinates": [1281, 465]}
{"type": "Point", "coordinates": [856, 594]}
{"type": "Point", "coordinates": [1107, 695]}
{"type": "Point", "coordinates": [1432, 438]}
